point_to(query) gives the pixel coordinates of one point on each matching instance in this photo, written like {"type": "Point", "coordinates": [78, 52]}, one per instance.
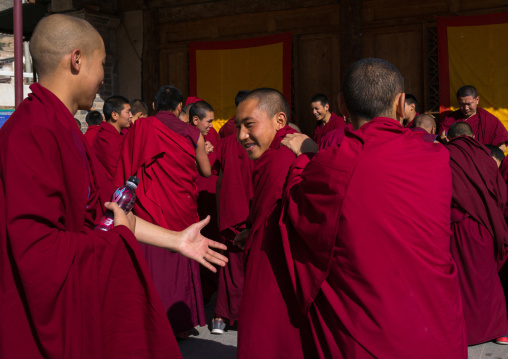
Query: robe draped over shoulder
{"type": "Point", "coordinates": [164, 161]}
{"type": "Point", "coordinates": [373, 284]}
{"type": "Point", "coordinates": [333, 123]}
{"type": "Point", "coordinates": [65, 288]}
{"type": "Point", "coordinates": [107, 146]}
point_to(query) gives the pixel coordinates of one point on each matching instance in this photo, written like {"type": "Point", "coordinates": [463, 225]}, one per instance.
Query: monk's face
{"type": "Point", "coordinates": [319, 110]}
{"type": "Point", "coordinates": [467, 105]}
{"type": "Point", "coordinates": [123, 118]}
{"type": "Point", "coordinates": [409, 110]}
{"type": "Point", "coordinates": [92, 76]}
{"type": "Point", "coordinates": [204, 124]}
{"type": "Point", "coordinates": [255, 129]}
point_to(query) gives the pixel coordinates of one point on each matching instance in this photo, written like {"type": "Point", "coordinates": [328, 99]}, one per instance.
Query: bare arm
{"type": "Point", "coordinates": [300, 143]}
{"type": "Point", "coordinates": [188, 242]}
{"type": "Point", "coordinates": [503, 147]}
{"type": "Point", "coordinates": [202, 161]}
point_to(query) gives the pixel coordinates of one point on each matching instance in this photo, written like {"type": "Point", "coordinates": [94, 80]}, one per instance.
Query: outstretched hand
{"type": "Point", "coordinates": [195, 246]}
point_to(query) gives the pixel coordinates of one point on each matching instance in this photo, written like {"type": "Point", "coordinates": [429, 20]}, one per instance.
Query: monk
{"type": "Point", "coordinates": [487, 128]}
{"type": "Point", "coordinates": [234, 192]}
{"type": "Point", "coordinates": [229, 128]}
{"type": "Point", "coordinates": [370, 282]}
{"type": "Point", "coordinates": [69, 291]}
{"type": "Point", "coordinates": [425, 124]}
{"type": "Point", "coordinates": [479, 234]}
{"type": "Point", "coordinates": [93, 120]}
{"type": "Point", "coordinates": [326, 121]}
{"type": "Point", "coordinates": [166, 155]}
{"type": "Point", "coordinates": [334, 138]}
{"type": "Point", "coordinates": [108, 142]}
{"type": "Point", "coordinates": [201, 116]}
{"type": "Point", "coordinates": [269, 324]}
{"type": "Point", "coordinates": [184, 114]}
{"type": "Point", "coordinates": [139, 109]}
{"type": "Point", "coordinates": [410, 111]}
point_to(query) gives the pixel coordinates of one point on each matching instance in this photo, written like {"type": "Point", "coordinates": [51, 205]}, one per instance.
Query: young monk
{"type": "Point", "coordinates": [486, 127]}
{"type": "Point", "coordinates": [229, 127]}
{"type": "Point", "coordinates": [326, 121]}
{"type": "Point", "coordinates": [425, 124]}
{"type": "Point", "coordinates": [93, 120]}
{"type": "Point", "coordinates": [479, 234]}
{"type": "Point", "coordinates": [166, 154]}
{"type": "Point", "coordinates": [410, 111]}
{"type": "Point", "coordinates": [201, 116]}
{"type": "Point", "coordinates": [372, 284]}
{"type": "Point", "coordinates": [69, 291]}
{"type": "Point", "coordinates": [269, 326]}
{"type": "Point", "coordinates": [139, 109]}
{"type": "Point", "coordinates": [234, 192]}
{"type": "Point", "coordinates": [108, 143]}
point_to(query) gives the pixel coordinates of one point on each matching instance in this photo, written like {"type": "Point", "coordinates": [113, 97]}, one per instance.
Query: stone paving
{"type": "Point", "coordinates": [204, 345]}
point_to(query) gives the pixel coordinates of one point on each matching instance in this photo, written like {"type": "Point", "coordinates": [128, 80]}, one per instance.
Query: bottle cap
{"type": "Point", "coordinates": [134, 180]}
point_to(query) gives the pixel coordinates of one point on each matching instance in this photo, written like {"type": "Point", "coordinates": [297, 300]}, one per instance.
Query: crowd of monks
{"type": "Point", "coordinates": [382, 236]}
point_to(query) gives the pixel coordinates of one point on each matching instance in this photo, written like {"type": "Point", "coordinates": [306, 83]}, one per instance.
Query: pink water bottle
{"type": "Point", "coordinates": [125, 196]}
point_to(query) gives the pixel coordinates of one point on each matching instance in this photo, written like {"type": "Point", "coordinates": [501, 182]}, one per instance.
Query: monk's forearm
{"type": "Point", "coordinates": [156, 236]}
{"type": "Point", "coordinates": [503, 147]}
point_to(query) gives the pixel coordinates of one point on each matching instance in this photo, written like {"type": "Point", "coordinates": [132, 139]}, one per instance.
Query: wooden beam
{"type": "Point", "coordinates": [351, 37]}
{"type": "Point", "coordinates": [151, 62]}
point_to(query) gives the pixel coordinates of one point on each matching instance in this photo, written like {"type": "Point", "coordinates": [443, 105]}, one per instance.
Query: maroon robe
{"type": "Point", "coordinates": [269, 324]}
{"type": "Point", "coordinates": [411, 125]}
{"type": "Point", "coordinates": [487, 128]}
{"type": "Point", "coordinates": [479, 237]}
{"type": "Point", "coordinates": [333, 123]}
{"type": "Point", "coordinates": [334, 138]}
{"type": "Point", "coordinates": [427, 137]}
{"type": "Point", "coordinates": [91, 132]}
{"type": "Point", "coordinates": [228, 129]}
{"type": "Point", "coordinates": [67, 291]}
{"type": "Point", "coordinates": [107, 146]}
{"type": "Point", "coordinates": [207, 205]}
{"type": "Point", "coordinates": [234, 198]}
{"type": "Point", "coordinates": [373, 284]}
{"type": "Point", "coordinates": [164, 161]}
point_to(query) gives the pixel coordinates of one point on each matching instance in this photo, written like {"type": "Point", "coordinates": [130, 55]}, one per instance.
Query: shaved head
{"type": "Point", "coordinates": [269, 100]}
{"type": "Point", "coordinates": [371, 87]}
{"type": "Point", "coordinates": [460, 129]}
{"type": "Point", "coordinates": [427, 122]}
{"type": "Point", "coordinates": [58, 35]}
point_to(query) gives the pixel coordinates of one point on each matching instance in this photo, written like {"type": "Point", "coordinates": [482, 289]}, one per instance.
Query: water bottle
{"type": "Point", "coordinates": [125, 196]}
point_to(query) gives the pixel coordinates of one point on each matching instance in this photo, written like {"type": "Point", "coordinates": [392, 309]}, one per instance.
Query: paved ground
{"type": "Point", "coordinates": [204, 345]}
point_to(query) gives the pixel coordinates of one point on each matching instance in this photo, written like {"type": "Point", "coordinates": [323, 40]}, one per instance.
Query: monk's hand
{"type": "Point", "coordinates": [195, 246]}
{"type": "Point", "coordinates": [120, 218]}
{"type": "Point", "coordinates": [300, 143]}
{"type": "Point", "coordinates": [241, 238]}
{"type": "Point", "coordinates": [208, 147]}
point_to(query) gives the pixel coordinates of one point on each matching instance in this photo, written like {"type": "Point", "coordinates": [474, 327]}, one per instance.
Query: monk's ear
{"type": "Point", "coordinates": [399, 104]}
{"type": "Point", "coordinates": [342, 105]}
{"type": "Point", "coordinates": [153, 105]}
{"type": "Point", "coordinates": [76, 60]}
{"type": "Point", "coordinates": [195, 120]}
{"type": "Point", "coordinates": [327, 107]}
{"type": "Point", "coordinates": [280, 120]}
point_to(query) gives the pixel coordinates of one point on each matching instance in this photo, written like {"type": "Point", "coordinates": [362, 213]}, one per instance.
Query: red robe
{"type": "Point", "coordinates": [207, 205]}
{"type": "Point", "coordinates": [91, 132]}
{"type": "Point", "coordinates": [333, 123]}
{"type": "Point", "coordinates": [410, 125]}
{"type": "Point", "coordinates": [67, 290]}
{"type": "Point", "coordinates": [479, 237]}
{"type": "Point", "coordinates": [228, 129]}
{"type": "Point", "coordinates": [269, 324]}
{"type": "Point", "coordinates": [373, 284]}
{"type": "Point", "coordinates": [487, 128]}
{"type": "Point", "coordinates": [334, 138]}
{"type": "Point", "coordinates": [107, 146]}
{"type": "Point", "coordinates": [427, 137]}
{"type": "Point", "coordinates": [234, 199]}
{"type": "Point", "coordinates": [165, 163]}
